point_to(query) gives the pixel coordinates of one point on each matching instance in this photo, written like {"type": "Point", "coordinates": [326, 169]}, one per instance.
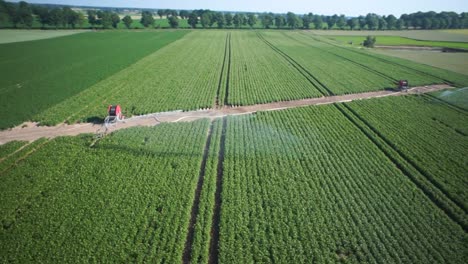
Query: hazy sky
{"type": "Point", "coordinates": [347, 7]}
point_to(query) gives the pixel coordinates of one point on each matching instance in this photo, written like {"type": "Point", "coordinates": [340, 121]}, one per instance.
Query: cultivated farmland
{"type": "Point", "coordinates": [202, 69]}
{"type": "Point", "coordinates": [36, 75]}
{"type": "Point", "coordinates": [237, 179]}
{"type": "Point", "coordinates": [325, 183]}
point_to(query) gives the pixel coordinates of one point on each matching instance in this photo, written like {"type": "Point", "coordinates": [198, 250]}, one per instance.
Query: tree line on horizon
{"type": "Point", "coordinates": [24, 14]}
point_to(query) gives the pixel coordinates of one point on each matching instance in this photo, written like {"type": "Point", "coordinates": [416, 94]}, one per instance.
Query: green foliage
{"type": "Point", "coordinates": [147, 19]}
{"type": "Point", "coordinates": [429, 133]}
{"type": "Point", "coordinates": [165, 80]}
{"type": "Point", "coordinates": [251, 19]}
{"type": "Point", "coordinates": [369, 42]}
{"type": "Point", "coordinates": [40, 74]}
{"type": "Point", "coordinates": [128, 21]}
{"type": "Point", "coordinates": [127, 199]}
{"type": "Point", "coordinates": [173, 21]}
{"type": "Point", "coordinates": [251, 80]}
{"type": "Point", "coordinates": [307, 185]}
{"type": "Point", "coordinates": [10, 147]}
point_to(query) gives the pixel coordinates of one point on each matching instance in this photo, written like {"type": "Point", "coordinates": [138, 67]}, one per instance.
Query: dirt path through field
{"type": "Point", "coordinates": [31, 131]}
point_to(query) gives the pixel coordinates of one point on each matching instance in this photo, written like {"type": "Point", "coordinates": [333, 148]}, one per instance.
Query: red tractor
{"type": "Point", "coordinates": [403, 85]}
{"type": "Point", "coordinates": [114, 114]}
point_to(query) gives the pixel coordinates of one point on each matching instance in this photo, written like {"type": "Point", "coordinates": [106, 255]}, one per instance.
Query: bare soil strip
{"type": "Point", "coordinates": [32, 131]}
{"type": "Point", "coordinates": [196, 200]}
{"type": "Point", "coordinates": [215, 224]}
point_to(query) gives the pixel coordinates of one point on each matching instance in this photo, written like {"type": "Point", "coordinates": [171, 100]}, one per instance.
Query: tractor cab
{"type": "Point", "coordinates": [403, 85]}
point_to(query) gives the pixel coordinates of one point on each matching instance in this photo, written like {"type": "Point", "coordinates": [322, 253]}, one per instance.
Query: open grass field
{"type": "Point", "coordinates": [400, 41]}
{"type": "Point", "coordinates": [19, 35]}
{"type": "Point", "coordinates": [375, 176]}
{"type": "Point", "coordinates": [456, 62]}
{"type": "Point", "coordinates": [453, 35]}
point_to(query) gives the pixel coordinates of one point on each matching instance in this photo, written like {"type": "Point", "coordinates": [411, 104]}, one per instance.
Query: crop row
{"type": "Point", "coordinates": [429, 134]}
{"type": "Point", "coordinates": [338, 75]}
{"type": "Point", "coordinates": [307, 185]}
{"type": "Point", "coordinates": [258, 74]}
{"type": "Point", "coordinates": [183, 75]}
{"type": "Point", "coordinates": [10, 147]}
{"type": "Point", "coordinates": [126, 199]}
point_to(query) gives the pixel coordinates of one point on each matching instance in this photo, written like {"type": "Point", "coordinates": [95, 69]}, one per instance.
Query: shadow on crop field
{"type": "Point", "coordinates": [95, 120]}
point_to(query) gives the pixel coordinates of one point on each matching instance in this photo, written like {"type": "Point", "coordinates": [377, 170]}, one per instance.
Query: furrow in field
{"type": "Point", "coordinates": [259, 74]}
{"type": "Point", "coordinates": [306, 184]}
{"type": "Point", "coordinates": [437, 151]}
{"type": "Point", "coordinates": [309, 76]}
{"type": "Point", "coordinates": [222, 77]}
{"type": "Point", "coordinates": [409, 169]}
{"type": "Point", "coordinates": [216, 220]}
{"type": "Point", "coordinates": [196, 200]}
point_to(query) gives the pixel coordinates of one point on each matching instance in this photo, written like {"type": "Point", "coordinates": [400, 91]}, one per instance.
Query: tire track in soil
{"type": "Point", "coordinates": [216, 106]}
{"type": "Point", "coordinates": [226, 93]}
{"type": "Point", "coordinates": [196, 201]}
{"type": "Point", "coordinates": [215, 225]}
{"type": "Point", "coordinates": [315, 81]}
{"type": "Point", "coordinates": [348, 112]}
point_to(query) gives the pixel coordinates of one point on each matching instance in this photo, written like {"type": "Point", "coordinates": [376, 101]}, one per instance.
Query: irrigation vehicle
{"type": "Point", "coordinates": [403, 85]}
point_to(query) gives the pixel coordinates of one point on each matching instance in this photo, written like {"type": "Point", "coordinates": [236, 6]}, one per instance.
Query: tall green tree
{"type": "Point", "coordinates": [205, 20]}
{"type": "Point", "coordinates": [292, 20]}
{"type": "Point", "coordinates": [220, 20]}
{"type": "Point", "coordinates": [127, 21]}
{"type": "Point", "coordinates": [251, 20]}
{"type": "Point", "coordinates": [228, 18]}
{"type": "Point", "coordinates": [391, 22]}
{"type": "Point", "coordinates": [341, 22]}
{"type": "Point", "coordinates": [193, 19]}
{"type": "Point", "coordinates": [184, 14]}
{"type": "Point", "coordinates": [244, 19]}
{"type": "Point", "coordinates": [372, 21]}
{"type": "Point", "coordinates": [161, 13]}
{"type": "Point", "coordinates": [42, 14]}
{"type": "Point", "coordinates": [306, 21]}
{"type": "Point", "coordinates": [115, 20]}
{"type": "Point", "coordinates": [105, 19]}
{"type": "Point", "coordinates": [318, 22]}
{"type": "Point", "coordinates": [23, 14]}
{"type": "Point", "coordinates": [236, 20]}
{"type": "Point", "coordinates": [279, 21]}
{"type": "Point", "coordinates": [353, 23]}
{"type": "Point", "coordinates": [267, 20]}
{"type": "Point", "coordinates": [147, 19]}
{"type": "Point", "coordinates": [56, 17]}
{"type": "Point", "coordinates": [92, 18]}
{"type": "Point", "coordinates": [173, 21]}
